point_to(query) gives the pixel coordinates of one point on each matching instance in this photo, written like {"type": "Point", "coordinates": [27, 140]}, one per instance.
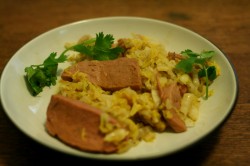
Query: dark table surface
{"type": "Point", "coordinates": [226, 23]}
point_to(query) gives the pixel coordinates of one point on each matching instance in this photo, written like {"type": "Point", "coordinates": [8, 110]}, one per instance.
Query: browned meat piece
{"type": "Point", "coordinates": [171, 92]}
{"type": "Point", "coordinates": [175, 56]}
{"type": "Point", "coordinates": [110, 75]}
{"type": "Point", "coordinates": [77, 124]}
{"type": "Point", "coordinates": [183, 89]}
{"type": "Point", "coordinates": [174, 121]}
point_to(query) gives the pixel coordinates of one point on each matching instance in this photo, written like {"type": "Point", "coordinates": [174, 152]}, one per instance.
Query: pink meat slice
{"type": "Point", "coordinates": [109, 75]}
{"type": "Point", "coordinates": [77, 124]}
{"type": "Point", "coordinates": [173, 92]}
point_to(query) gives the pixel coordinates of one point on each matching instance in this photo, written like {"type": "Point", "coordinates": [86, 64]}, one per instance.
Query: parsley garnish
{"type": "Point", "coordinates": [99, 48]}
{"type": "Point", "coordinates": [192, 58]}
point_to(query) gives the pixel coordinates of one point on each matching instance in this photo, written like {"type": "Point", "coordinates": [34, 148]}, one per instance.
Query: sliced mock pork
{"type": "Point", "coordinates": [77, 124]}
{"type": "Point", "coordinates": [173, 93]}
{"type": "Point", "coordinates": [174, 120]}
{"type": "Point", "coordinates": [109, 75]}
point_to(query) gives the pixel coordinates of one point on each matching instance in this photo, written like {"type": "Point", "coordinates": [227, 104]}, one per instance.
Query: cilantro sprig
{"type": "Point", "coordinates": [195, 59]}
{"type": "Point", "coordinates": [99, 48]}
{"type": "Point", "coordinates": [39, 76]}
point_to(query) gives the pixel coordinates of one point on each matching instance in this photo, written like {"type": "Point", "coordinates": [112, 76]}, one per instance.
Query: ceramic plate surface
{"type": "Point", "coordinates": [28, 113]}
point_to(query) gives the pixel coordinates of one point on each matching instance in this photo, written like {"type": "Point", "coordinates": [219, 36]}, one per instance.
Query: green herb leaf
{"type": "Point", "coordinates": [186, 65]}
{"type": "Point", "coordinates": [189, 53]}
{"type": "Point", "coordinates": [53, 60]}
{"type": "Point", "coordinates": [207, 54]}
{"type": "Point", "coordinates": [211, 73]}
{"type": "Point", "coordinates": [192, 58]}
{"type": "Point", "coordinates": [39, 76]}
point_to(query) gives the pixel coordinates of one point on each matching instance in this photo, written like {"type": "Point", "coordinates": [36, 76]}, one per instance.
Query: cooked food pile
{"type": "Point", "coordinates": [109, 104]}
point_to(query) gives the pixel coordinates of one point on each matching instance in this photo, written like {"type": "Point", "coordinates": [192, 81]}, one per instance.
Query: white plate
{"type": "Point", "coordinates": [28, 113]}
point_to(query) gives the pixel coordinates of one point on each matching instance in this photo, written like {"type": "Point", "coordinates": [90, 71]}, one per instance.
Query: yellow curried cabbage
{"type": "Point", "coordinates": [139, 112]}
